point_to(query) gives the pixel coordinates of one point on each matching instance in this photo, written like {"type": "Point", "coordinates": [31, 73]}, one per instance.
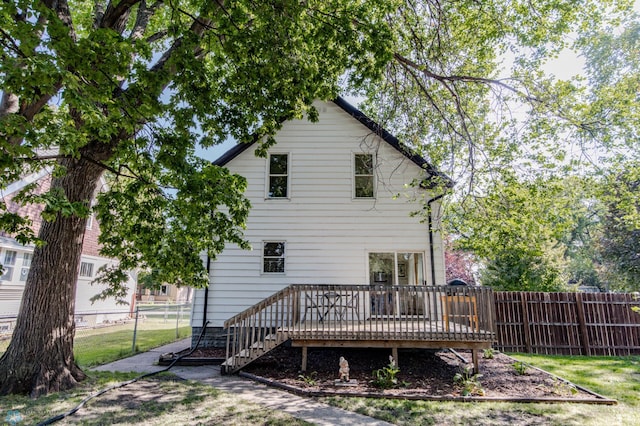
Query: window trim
{"type": "Point", "coordinates": [83, 272]}
{"type": "Point", "coordinates": [396, 269]}
{"type": "Point", "coordinates": [283, 257]}
{"type": "Point", "coordinates": [268, 176]}
{"type": "Point", "coordinates": [8, 264]}
{"type": "Point", "coordinates": [355, 175]}
{"type": "Point", "coordinates": [27, 257]}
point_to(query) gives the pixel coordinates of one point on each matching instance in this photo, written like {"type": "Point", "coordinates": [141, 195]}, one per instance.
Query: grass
{"type": "Point", "coordinates": [158, 400]}
{"type": "Point", "coordinates": [96, 346]}
{"type": "Point", "coordinates": [614, 377]}
{"type": "Point", "coordinates": [164, 399]}
{"type": "Point", "coordinates": [96, 349]}
{"type": "Point", "coordinates": [617, 378]}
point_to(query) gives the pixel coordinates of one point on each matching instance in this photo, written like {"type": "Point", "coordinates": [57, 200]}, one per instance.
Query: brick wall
{"type": "Point", "coordinates": [90, 245]}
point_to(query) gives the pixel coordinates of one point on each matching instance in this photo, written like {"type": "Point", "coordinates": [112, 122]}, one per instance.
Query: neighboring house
{"type": "Point", "coordinates": [331, 204]}
{"type": "Point", "coordinates": [167, 293]}
{"type": "Point", "coordinates": [16, 260]}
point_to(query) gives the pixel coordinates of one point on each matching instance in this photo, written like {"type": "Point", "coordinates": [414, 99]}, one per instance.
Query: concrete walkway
{"type": "Point", "coordinates": [297, 406]}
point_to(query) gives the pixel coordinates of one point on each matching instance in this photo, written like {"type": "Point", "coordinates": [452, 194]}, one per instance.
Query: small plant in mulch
{"type": "Point", "coordinates": [309, 379]}
{"type": "Point", "coordinates": [468, 382]}
{"type": "Point", "coordinates": [563, 388]}
{"type": "Point", "coordinates": [520, 367]}
{"type": "Point", "coordinates": [488, 353]}
{"type": "Point", "coordinates": [386, 377]}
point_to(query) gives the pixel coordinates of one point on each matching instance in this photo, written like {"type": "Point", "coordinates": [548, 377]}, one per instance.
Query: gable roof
{"type": "Point", "coordinates": [371, 125]}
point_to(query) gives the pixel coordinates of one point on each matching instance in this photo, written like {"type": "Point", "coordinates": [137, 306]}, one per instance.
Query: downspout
{"type": "Point", "coordinates": [206, 289]}
{"type": "Point", "coordinates": [430, 228]}
{"type": "Point", "coordinates": [206, 293]}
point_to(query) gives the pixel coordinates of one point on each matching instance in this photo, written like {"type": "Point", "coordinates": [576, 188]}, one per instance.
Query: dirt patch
{"type": "Point", "coordinates": [423, 374]}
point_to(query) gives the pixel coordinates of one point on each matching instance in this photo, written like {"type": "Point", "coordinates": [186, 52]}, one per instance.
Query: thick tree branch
{"type": "Point", "coordinates": [9, 104]}
{"type": "Point", "coordinates": [157, 36]}
{"type": "Point", "coordinates": [61, 8]}
{"type": "Point", "coordinates": [116, 17]}
{"type": "Point", "coordinates": [198, 27]}
{"type": "Point", "coordinates": [142, 19]}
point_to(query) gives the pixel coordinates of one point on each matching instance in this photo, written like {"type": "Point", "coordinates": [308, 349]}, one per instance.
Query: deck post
{"type": "Point", "coordinates": [394, 354]}
{"type": "Point", "coordinates": [474, 358]}
{"type": "Point", "coordinates": [303, 368]}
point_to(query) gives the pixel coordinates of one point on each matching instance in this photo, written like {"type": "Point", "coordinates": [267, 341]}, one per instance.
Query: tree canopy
{"type": "Point", "coordinates": [134, 86]}
{"type": "Point", "coordinates": [517, 229]}
{"type": "Point", "coordinates": [472, 85]}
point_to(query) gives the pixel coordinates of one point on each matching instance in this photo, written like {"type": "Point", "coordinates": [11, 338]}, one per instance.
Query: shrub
{"type": "Point", "coordinates": [468, 382]}
{"type": "Point", "coordinates": [521, 367]}
{"type": "Point", "coordinates": [385, 378]}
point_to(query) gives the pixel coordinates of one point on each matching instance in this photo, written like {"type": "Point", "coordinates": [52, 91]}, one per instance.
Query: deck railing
{"type": "Point", "coordinates": [360, 312]}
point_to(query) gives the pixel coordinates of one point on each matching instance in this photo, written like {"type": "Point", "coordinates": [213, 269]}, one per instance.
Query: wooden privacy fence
{"type": "Point", "coordinates": [567, 323]}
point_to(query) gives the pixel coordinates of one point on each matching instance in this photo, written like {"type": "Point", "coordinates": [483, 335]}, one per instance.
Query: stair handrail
{"type": "Point", "coordinates": [276, 297]}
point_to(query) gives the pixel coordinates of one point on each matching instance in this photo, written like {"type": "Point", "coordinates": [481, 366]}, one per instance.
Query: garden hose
{"type": "Point", "coordinates": [122, 384]}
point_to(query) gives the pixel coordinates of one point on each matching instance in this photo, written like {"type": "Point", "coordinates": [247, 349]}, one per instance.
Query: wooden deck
{"type": "Point", "coordinates": [394, 329]}
{"type": "Point", "coordinates": [362, 316]}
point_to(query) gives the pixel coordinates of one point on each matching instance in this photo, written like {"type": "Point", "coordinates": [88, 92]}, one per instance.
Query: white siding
{"type": "Point", "coordinates": [328, 233]}
{"type": "Point", "coordinates": [85, 290]}
{"type": "Point", "coordinates": [11, 291]}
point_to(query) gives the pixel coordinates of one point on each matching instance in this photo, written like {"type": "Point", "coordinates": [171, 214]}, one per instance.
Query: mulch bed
{"type": "Point", "coordinates": [424, 374]}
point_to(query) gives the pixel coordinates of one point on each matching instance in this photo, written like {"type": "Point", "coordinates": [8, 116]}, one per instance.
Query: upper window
{"type": "Point", "coordinates": [86, 269]}
{"type": "Point", "coordinates": [363, 175]}
{"type": "Point", "coordinates": [273, 257]}
{"type": "Point", "coordinates": [278, 176]}
{"type": "Point", "coordinates": [7, 263]}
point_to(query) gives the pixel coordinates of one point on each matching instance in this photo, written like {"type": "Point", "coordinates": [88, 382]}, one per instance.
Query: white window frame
{"type": "Point", "coordinates": [355, 175]}
{"type": "Point", "coordinates": [265, 257]}
{"type": "Point", "coordinates": [396, 253]}
{"type": "Point", "coordinates": [26, 265]}
{"type": "Point", "coordinates": [91, 217]}
{"type": "Point", "coordinates": [267, 191]}
{"type": "Point", "coordinates": [8, 262]}
{"type": "Point", "coordinates": [83, 269]}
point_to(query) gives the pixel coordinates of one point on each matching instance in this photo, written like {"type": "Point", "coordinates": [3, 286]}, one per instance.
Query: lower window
{"type": "Point", "coordinates": [273, 257]}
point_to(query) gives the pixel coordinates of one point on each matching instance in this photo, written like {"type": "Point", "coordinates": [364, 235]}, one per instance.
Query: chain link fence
{"type": "Point", "coordinates": [103, 336]}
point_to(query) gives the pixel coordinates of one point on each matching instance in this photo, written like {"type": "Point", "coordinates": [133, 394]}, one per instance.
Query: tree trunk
{"type": "Point", "coordinates": [40, 356]}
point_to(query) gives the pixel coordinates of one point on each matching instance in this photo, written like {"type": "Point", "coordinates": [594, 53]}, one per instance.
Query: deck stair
{"type": "Point", "coordinates": [258, 330]}
{"type": "Point", "coordinates": [250, 354]}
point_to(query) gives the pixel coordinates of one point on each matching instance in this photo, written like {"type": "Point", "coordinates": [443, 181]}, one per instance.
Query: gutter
{"type": "Point", "coordinates": [430, 228]}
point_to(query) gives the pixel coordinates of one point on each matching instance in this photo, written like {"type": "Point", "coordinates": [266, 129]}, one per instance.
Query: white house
{"type": "Point", "coordinates": [16, 261]}
{"type": "Point", "coordinates": [332, 204]}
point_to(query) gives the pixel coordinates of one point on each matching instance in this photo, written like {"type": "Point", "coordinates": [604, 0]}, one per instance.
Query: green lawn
{"type": "Point", "coordinates": [112, 344]}
{"type": "Point", "coordinates": [95, 346]}
{"type": "Point", "coordinates": [614, 377]}
{"type": "Point", "coordinates": [158, 400]}
{"type": "Point", "coordinates": [617, 378]}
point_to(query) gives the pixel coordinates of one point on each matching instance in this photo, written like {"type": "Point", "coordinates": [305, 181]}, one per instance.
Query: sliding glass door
{"type": "Point", "coordinates": [395, 268]}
